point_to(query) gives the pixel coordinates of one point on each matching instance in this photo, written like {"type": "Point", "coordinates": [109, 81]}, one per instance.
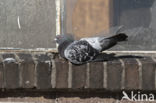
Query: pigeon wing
{"type": "Point", "coordinates": [80, 52]}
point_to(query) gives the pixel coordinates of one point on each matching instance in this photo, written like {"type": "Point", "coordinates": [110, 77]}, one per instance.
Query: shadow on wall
{"type": "Point", "coordinates": [138, 18]}
{"type": "Point", "coordinates": [135, 13]}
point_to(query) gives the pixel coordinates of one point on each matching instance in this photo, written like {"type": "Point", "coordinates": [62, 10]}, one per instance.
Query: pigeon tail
{"type": "Point", "coordinates": [119, 37]}
{"type": "Point", "coordinates": [109, 42]}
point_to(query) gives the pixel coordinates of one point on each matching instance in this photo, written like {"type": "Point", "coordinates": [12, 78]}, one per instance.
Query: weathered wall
{"type": "Point", "coordinates": [49, 71]}
{"type": "Point", "coordinates": [88, 18]}
{"type": "Point", "coordinates": [84, 18]}
{"type": "Point", "coordinates": [45, 77]}
{"type": "Point", "coordinates": [36, 19]}
{"type": "Point", "coordinates": [138, 19]}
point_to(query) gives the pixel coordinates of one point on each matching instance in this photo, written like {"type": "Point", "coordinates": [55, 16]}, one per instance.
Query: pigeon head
{"type": "Point", "coordinates": [62, 38]}
{"type": "Point", "coordinates": [58, 38]}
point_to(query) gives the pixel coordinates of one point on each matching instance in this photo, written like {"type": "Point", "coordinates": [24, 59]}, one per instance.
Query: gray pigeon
{"type": "Point", "coordinates": [86, 49]}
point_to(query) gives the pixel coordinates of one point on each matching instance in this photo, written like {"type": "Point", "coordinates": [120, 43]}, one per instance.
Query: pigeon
{"type": "Point", "coordinates": [86, 49]}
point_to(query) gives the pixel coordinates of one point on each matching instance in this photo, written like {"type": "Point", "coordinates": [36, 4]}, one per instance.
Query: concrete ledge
{"type": "Point", "coordinates": [45, 71]}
